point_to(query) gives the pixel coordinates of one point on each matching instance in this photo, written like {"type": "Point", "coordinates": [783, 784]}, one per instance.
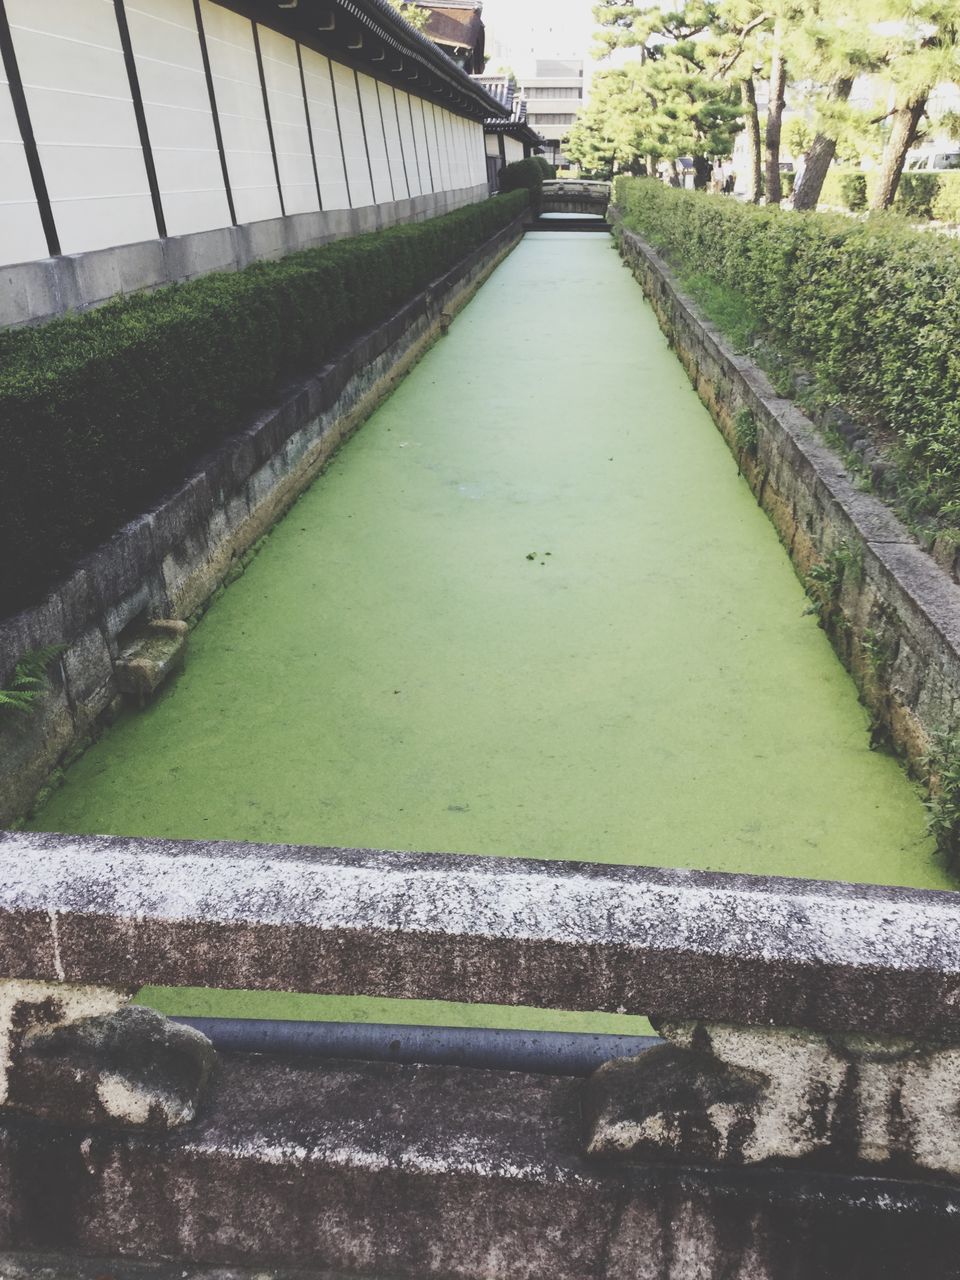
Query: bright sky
{"type": "Point", "coordinates": [520, 31]}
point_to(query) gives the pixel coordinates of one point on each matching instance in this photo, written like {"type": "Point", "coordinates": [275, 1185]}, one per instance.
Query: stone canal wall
{"type": "Point", "coordinates": [171, 560]}
{"type": "Point", "coordinates": [892, 613]}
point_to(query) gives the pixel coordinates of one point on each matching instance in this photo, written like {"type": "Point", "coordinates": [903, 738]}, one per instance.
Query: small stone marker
{"type": "Point", "coordinates": [151, 657]}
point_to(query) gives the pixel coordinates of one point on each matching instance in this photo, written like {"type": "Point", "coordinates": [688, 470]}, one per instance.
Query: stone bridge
{"type": "Point", "coordinates": [562, 196]}
{"type": "Point", "coordinates": [800, 1117]}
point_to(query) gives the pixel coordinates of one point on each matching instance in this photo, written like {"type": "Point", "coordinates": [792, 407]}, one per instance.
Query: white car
{"type": "Point", "coordinates": [933, 162]}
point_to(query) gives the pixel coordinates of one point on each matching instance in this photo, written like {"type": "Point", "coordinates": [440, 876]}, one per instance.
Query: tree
{"type": "Point", "coordinates": [416, 16]}
{"type": "Point", "coordinates": [922, 50]}
{"type": "Point", "coordinates": [830, 46]}
{"type": "Point", "coordinates": [671, 103]}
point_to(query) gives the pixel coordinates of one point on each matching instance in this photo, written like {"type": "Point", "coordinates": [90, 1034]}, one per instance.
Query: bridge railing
{"type": "Point", "coordinates": [805, 1022]}
{"type": "Point", "coordinates": [749, 950]}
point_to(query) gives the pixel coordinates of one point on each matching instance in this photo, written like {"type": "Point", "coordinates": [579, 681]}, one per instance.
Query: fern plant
{"type": "Point", "coordinates": [29, 680]}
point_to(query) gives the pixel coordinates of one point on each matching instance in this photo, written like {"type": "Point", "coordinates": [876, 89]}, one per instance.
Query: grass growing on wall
{"type": "Point", "coordinates": [101, 412]}
{"type": "Point", "coordinates": [871, 308]}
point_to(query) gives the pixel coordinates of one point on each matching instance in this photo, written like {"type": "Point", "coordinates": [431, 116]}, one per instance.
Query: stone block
{"type": "Point", "coordinates": [259, 241]}
{"type": "Point", "coordinates": [34, 291]}
{"type": "Point", "coordinates": [151, 657]}
{"type": "Point", "coordinates": [188, 256]}
{"type": "Point", "coordinates": [88, 669]}
{"type": "Point", "coordinates": [103, 273]}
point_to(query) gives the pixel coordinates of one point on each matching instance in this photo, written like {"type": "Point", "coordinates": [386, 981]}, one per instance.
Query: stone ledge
{"type": "Point", "coordinates": [36, 291]}
{"type": "Point", "coordinates": [413, 1172]}
{"type": "Point", "coordinates": [746, 950]}
{"type": "Point", "coordinates": [901, 601]}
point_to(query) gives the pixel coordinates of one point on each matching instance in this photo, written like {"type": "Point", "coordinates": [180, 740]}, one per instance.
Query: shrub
{"type": "Point", "coordinates": [101, 412]}
{"type": "Point", "coordinates": [524, 175]}
{"type": "Point", "coordinates": [917, 193]}
{"type": "Point", "coordinates": [871, 308]}
{"type": "Point", "coordinates": [548, 170]}
{"type": "Point", "coordinates": [788, 181]}
{"type": "Point", "coordinates": [946, 203]}
{"type": "Point", "coordinates": [853, 191]}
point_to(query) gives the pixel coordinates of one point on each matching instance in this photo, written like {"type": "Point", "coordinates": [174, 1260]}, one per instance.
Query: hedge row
{"type": "Point", "coordinates": [101, 412]}
{"type": "Point", "coordinates": [841, 182]}
{"type": "Point", "coordinates": [871, 308]}
{"type": "Point", "coordinates": [527, 175]}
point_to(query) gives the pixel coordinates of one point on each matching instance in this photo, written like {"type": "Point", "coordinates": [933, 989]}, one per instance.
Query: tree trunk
{"type": "Point", "coordinates": [806, 194]}
{"type": "Point", "coordinates": [906, 121]}
{"type": "Point", "coordinates": [778, 84]}
{"type": "Point", "coordinates": [748, 96]}
{"type": "Point", "coordinates": [702, 169]}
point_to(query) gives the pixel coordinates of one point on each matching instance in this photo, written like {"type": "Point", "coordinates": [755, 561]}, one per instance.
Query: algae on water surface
{"type": "Point", "coordinates": [394, 670]}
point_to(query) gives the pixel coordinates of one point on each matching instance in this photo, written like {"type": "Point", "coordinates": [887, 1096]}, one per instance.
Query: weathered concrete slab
{"type": "Point", "coordinates": [383, 1171]}
{"type": "Point", "coordinates": [728, 948]}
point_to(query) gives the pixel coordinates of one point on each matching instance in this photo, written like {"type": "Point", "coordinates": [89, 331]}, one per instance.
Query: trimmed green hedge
{"type": "Point", "coordinates": [870, 307]}
{"type": "Point", "coordinates": [945, 205]}
{"type": "Point", "coordinates": [524, 175]}
{"type": "Point", "coordinates": [101, 412]}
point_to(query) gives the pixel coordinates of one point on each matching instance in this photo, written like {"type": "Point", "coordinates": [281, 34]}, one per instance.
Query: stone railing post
{"type": "Point", "coordinates": [84, 1056]}
{"type": "Point", "coordinates": [736, 1096]}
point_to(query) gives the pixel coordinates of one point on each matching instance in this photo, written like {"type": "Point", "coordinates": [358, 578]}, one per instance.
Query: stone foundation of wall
{"type": "Point", "coordinates": [31, 292]}
{"type": "Point", "coordinates": [892, 613]}
{"type": "Point", "coordinates": [168, 562]}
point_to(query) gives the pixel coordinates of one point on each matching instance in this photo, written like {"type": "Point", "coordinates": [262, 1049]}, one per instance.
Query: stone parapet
{"type": "Point", "coordinates": [800, 1119]}
{"type": "Point", "coordinates": [684, 945]}
{"type": "Point", "coordinates": [363, 1170]}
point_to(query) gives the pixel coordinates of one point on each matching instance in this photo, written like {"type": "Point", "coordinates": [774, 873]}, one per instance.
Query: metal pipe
{"type": "Point", "coordinates": [543, 1052]}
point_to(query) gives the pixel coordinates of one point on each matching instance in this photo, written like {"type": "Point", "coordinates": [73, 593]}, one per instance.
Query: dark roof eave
{"type": "Point", "coordinates": [515, 129]}
{"type": "Point", "coordinates": [388, 22]}
{"type": "Point", "coordinates": [442, 80]}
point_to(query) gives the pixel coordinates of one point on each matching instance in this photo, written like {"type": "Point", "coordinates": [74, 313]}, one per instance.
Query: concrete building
{"type": "Point", "coordinates": [171, 123]}
{"type": "Point", "coordinates": [554, 96]}
{"type": "Point", "coordinates": [512, 138]}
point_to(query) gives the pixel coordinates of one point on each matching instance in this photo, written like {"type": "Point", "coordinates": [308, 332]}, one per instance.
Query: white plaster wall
{"type": "Point", "coordinates": [514, 149]}
{"type": "Point", "coordinates": [428, 175]}
{"type": "Point", "coordinates": [373, 123]}
{"type": "Point", "coordinates": [395, 151]}
{"type": "Point", "coordinates": [80, 103]}
{"type": "Point", "coordinates": [323, 123]}
{"type": "Point", "coordinates": [351, 129]}
{"type": "Point", "coordinates": [433, 146]}
{"type": "Point", "coordinates": [288, 118]}
{"type": "Point", "coordinates": [78, 95]}
{"type": "Point", "coordinates": [446, 137]}
{"type": "Point", "coordinates": [21, 231]}
{"type": "Point", "coordinates": [409, 142]}
{"type": "Point", "coordinates": [176, 104]}
{"type": "Point", "coordinates": [243, 122]}
{"type": "Point", "coordinates": [462, 150]}
{"type": "Point", "coordinates": [479, 167]}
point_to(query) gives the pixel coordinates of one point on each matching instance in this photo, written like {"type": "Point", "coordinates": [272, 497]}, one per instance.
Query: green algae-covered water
{"type": "Point", "coordinates": [529, 609]}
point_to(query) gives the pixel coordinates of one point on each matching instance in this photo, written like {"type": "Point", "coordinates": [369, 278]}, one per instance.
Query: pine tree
{"type": "Point", "coordinates": [921, 38]}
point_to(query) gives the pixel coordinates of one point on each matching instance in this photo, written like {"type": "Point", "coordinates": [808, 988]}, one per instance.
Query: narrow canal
{"type": "Point", "coordinates": [530, 610]}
